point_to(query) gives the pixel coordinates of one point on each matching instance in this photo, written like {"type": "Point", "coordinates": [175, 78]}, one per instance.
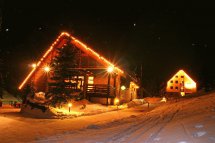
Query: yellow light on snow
{"type": "Point", "coordinates": [69, 105]}
{"type": "Point", "coordinates": [182, 93]}
{"type": "Point", "coordinates": [163, 99]}
{"type": "Point", "coordinates": [116, 101]}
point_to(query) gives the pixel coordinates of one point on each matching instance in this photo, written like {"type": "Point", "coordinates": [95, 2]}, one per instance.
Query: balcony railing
{"type": "Point", "coordinates": [100, 90]}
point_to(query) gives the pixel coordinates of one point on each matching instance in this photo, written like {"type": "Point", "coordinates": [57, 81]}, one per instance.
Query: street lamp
{"type": "Point", "coordinates": [116, 102]}
{"type": "Point", "coordinates": [46, 69]}
{"type": "Point", "coordinates": [69, 105]}
{"type": "Point", "coordinates": [110, 69]}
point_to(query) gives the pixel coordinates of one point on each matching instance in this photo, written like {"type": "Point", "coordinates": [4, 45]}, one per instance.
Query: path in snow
{"type": "Point", "coordinates": [188, 121]}
{"type": "Point", "coordinates": [17, 128]}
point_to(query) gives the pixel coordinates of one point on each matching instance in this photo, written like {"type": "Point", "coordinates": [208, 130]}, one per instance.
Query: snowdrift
{"type": "Point", "coordinates": [79, 108]}
{"type": "Point", "coordinates": [28, 111]}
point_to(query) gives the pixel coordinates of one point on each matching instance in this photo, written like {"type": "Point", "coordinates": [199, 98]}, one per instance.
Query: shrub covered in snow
{"type": "Point", "coordinates": [135, 102]}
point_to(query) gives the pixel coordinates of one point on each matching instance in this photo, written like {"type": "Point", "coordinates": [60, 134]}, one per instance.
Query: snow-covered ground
{"type": "Point", "coordinates": [189, 120]}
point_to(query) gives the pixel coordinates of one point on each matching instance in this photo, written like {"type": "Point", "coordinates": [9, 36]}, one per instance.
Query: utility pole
{"type": "Point", "coordinates": [141, 80]}
{"type": "Point", "coordinates": [141, 73]}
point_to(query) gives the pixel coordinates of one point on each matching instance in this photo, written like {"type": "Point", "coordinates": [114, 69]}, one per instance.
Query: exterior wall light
{"type": "Point", "coordinates": [46, 68]}
{"type": "Point", "coordinates": [33, 65]}
{"type": "Point", "coordinates": [110, 69]}
{"type": "Point", "coordinates": [123, 87]}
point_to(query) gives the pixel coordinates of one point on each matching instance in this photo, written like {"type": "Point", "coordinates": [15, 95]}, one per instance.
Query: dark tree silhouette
{"type": "Point", "coordinates": [63, 73]}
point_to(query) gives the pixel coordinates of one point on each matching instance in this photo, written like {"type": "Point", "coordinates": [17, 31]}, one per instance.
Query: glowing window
{"type": "Point", "coordinates": [171, 87]}
{"type": "Point", "coordinates": [176, 81]}
{"type": "Point", "coordinates": [90, 80]}
{"type": "Point", "coordinates": [176, 87]}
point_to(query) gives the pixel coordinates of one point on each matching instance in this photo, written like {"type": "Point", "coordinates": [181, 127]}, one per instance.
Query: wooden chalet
{"type": "Point", "coordinates": [181, 83]}
{"type": "Point", "coordinates": [98, 80]}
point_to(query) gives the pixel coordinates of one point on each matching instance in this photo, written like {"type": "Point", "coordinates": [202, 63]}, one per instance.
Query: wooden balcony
{"type": "Point", "coordinates": [100, 90]}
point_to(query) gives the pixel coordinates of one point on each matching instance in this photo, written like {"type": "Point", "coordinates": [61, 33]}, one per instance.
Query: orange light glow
{"type": "Point", "coordinates": [182, 93]}
{"type": "Point", "coordinates": [163, 99]}
{"type": "Point", "coordinates": [26, 79]}
{"type": "Point", "coordinates": [92, 52]}
{"type": "Point", "coordinates": [70, 105]}
{"type": "Point", "coordinates": [116, 101]}
{"type": "Point", "coordinates": [181, 82]}
{"type": "Point", "coordinates": [190, 85]}
{"type": "Point", "coordinates": [34, 65]}
{"type": "Point", "coordinates": [46, 68]}
{"type": "Point", "coordinates": [79, 44]}
{"type": "Point", "coordinates": [110, 69]}
{"type": "Point", "coordinates": [123, 87]}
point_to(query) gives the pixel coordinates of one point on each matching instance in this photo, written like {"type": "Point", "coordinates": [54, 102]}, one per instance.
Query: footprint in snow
{"type": "Point", "coordinates": [199, 134]}
{"type": "Point", "coordinates": [93, 127]}
{"type": "Point", "coordinates": [182, 142]}
{"type": "Point", "coordinates": [212, 138]}
{"type": "Point", "coordinates": [156, 139]}
{"type": "Point", "coordinates": [199, 126]}
{"type": "Point", "coordinates": [133, 116]}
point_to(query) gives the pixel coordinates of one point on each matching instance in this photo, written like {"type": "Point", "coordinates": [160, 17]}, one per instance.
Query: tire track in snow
{"type": "Point", "coordinates": [136, 131]}
{"type": "Point", "coordinates": [162, 126]}
{"type": "Point", "coordinates": [186, 132]}
{"type": "Point", "coordinates": [122, 135]}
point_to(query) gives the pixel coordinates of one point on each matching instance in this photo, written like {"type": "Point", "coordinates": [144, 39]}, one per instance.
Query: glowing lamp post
{"type": "Point", "coordinates": [182, 93]}
{"type": "Point", "coordinates": [69, 105]}
{"type": "Point", "coordinates": [116, 102]}
{"type": "Point", "coordinates": [110, 69]}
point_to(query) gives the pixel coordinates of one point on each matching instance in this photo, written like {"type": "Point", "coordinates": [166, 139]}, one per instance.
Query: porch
{"type": "Point", "coordinates": [100, 91]}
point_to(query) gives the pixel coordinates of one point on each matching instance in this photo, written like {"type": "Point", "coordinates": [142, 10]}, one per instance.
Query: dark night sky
{"type": "Point", "coordinates": [163, 36]}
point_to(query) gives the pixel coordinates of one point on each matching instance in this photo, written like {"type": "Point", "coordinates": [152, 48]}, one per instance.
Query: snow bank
{"type": "Point", "coordinates": [150, 100]}
{"type": "Point", "coordinates": [190, 120]}
{"type": "Point", "coordinates": [153, 100]}
{"type": "Point", "coordinates": [78, 108]}
{"type": "Point", "coordinates": [81, 108]}
{"type": "Point", "coordinates": [136, 102]}
{"type": "Point", "coordinates": [28, 111]}
{"type": "Point", "coordinates": [8, 98]}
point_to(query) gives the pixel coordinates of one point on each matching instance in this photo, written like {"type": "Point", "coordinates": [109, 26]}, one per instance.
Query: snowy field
{"type": "Point", "coordinates": [190, 120]}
